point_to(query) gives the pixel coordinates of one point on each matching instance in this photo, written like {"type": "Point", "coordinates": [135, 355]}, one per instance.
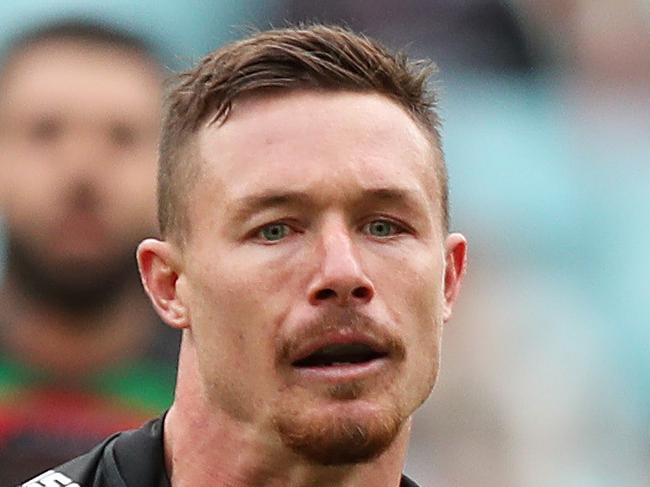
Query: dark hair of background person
{"type": "Point", "coordinates": [81, 30]}
{"type": "Point", "coordinates": [301, 57]}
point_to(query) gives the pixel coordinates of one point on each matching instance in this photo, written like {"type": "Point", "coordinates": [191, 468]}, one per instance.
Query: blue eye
{"type": "Point", "coordinates": [273, 232]}
{"type": "Point", "coordinates": [382, 228]}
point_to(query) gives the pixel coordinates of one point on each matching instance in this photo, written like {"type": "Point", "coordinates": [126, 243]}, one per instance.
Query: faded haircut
{"type": "Point", "coordinates": [302, 57]}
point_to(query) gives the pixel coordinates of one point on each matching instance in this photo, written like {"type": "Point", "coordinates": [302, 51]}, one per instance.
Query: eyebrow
{"type": "Point", "coordinates": [249, 205]}
{"type": "Point", "coordinates": [410, 199]}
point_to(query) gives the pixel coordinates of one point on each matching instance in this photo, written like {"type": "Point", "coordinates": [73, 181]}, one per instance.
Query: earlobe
{"type": "Point", "coordinates": [455, 266]}
{"type": "Point", "coordinates": [159, 271]}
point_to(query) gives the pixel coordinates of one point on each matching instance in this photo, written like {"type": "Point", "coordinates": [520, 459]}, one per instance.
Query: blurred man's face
{"type": "Point", "coordinates": [78, 133]}
{"type": "Point", "coordinates": [314, 270]}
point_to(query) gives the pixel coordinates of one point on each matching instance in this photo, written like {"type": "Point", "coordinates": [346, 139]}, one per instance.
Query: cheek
{"type": "Point", "coordinates": [24, 186]}
{"type": "Point", "coordinates": [234, 309]}
{"type": "Point", "coordinates": [266, 280]}
{"type": "Point", "coordinates": [412, 284]}
{"type": "Point", "coordinates": [428, 297]}
{"type": "Point", "coordinates": [233, 315]}
{"type": "Point", "coordinates": [221, 331]}
{"type": "Point", "coordinates": [30, 204]}
{"type": "Point", "coordinates": [130, 192]}
{"type": "Point", "coordinates": [137, 171]}
{"type": "Point", "coordinates": [414, 297]}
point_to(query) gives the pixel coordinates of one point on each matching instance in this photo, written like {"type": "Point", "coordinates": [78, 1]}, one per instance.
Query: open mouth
{"type": "Point", "coordinates": [340, 354]}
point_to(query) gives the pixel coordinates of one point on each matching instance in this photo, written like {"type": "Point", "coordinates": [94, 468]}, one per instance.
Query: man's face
{"type": "Point", "coordinates": [313, 273]}
{"type": "Point", "coordinates": [78, 132]}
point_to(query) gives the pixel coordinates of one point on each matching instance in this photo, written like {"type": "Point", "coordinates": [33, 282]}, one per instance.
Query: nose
{"type": "Point", "coordinates": [81, 162]}
{"type": "Point", "coordinates": [340, 278]}
{"type": "Point", "coordinates": [82, 150]}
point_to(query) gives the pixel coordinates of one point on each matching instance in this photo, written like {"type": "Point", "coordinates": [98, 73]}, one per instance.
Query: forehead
{"type": "Point", "coordinates": [64, 74]}
{"type": "Point", "coordinates": [330, 143]}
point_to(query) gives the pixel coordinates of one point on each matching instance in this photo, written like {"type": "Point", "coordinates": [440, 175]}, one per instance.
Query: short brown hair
{"type": "Point", "coordinates": [314, 56]}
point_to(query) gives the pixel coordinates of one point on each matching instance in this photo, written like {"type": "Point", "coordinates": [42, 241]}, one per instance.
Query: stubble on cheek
{"type": "Point", "coordinates": [225, 375]}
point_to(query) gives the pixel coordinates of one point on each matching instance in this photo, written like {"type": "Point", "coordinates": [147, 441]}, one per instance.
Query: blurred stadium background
{"type": "Point", "coordinates": [546, 371]}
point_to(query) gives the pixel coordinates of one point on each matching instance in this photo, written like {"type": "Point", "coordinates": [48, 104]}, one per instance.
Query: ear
{"type": "Point", "coordinates": [455, 265]}
{"type": "Point", "coordinates": [158, 262]}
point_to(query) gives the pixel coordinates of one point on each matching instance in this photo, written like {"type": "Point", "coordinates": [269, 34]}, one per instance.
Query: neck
{"type": "Point", "coordinates": [68, 344]}
{"type": "Point", "coordinates": [204, 446]}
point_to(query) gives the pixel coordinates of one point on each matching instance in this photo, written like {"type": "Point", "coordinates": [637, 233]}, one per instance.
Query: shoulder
{"type": "Point", "coordinates": [82, 471]}
{"type": "Point", "coordinates": [127, 459]}
{"type": "Point", "coordinates": [407, 482]}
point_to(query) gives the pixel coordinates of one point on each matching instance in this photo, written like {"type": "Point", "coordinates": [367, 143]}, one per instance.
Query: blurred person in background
{"type": "Point", "coordinates": [81, 353]}
{"type": "Point", "coordinates": [605, 42]}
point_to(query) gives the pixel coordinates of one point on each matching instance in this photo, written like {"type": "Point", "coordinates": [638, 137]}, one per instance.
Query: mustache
{"type": "Point", "coordinates": [342, 321]}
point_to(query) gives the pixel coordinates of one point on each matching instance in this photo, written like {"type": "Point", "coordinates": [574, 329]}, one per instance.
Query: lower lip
{"type": "Point", "coordinates": [342, 372]}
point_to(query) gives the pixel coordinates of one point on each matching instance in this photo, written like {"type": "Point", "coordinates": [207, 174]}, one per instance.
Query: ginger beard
{"type": "Point", "coordinates": [326, 438]}
{"type": "Point", "coordinates": [352, 422]}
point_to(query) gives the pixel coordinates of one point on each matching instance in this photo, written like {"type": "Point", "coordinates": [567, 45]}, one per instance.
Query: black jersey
{"type": "Point", "coordinates": [128, 459]}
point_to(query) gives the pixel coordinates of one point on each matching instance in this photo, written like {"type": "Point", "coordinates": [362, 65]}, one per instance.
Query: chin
{"type": "Point", "coordinates": [343, 433]}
